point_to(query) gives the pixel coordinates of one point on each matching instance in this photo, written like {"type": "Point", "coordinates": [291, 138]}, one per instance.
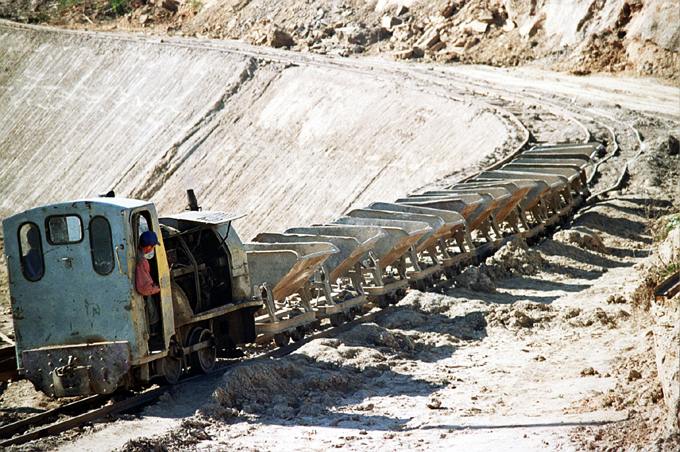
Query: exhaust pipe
{"type": "Point", "coordinates": [193, 202]}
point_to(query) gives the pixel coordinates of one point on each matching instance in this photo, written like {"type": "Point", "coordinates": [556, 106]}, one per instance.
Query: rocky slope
{"type": "Point", "coordinates": [582, 36]}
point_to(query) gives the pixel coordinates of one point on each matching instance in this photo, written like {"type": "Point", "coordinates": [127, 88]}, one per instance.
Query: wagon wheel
{"type": "Point", "coordinates": [202, 360]}
{"type": "Point", "coordinates": [281, 339]}
{"type": "Point", "coordinates": [420, 285]}
{"type": "Point", "coordinates": [382, 301]}
{"type": "Point", "coordinates": [337, 319]}
{"type": "Point", "coordinates": [299, 332]}
{"type": "Point", "coordinates": [451, 272]}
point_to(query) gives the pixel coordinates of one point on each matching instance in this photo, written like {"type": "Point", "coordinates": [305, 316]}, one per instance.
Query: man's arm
{"type": "Point", "coordinates": [143, 281]}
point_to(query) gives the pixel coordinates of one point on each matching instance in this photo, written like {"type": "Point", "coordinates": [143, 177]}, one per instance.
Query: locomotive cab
{"type": "Point", "coordinates": [80, 325]}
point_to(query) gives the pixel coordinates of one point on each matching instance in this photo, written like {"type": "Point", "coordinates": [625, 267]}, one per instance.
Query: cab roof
{"type": "Point", "coordinates": [122, 203]}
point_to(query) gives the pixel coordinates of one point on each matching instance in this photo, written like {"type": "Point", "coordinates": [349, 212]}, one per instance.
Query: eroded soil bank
{"type": "Point", "coordinates": [286, 141]}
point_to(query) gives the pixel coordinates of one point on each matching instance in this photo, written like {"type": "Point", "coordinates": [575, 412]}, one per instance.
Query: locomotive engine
{"type": "Point", "coordinates": [80, 325]}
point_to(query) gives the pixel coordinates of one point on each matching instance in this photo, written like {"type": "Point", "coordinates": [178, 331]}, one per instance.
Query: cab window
{"type": "Point", "coordinates": [101, 245]}
{"type": "Point", "coordinates": [64, 229]}
{"type": "Point", "coordinates": [30, 248]}
{"type": "Point", "coordinates": [140, 224]}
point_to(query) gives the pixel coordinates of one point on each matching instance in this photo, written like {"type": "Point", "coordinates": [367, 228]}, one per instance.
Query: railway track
{"type": "Point", "coordinates": [90, 409]}
{"type": "Point", "coordinates": [608, 129]}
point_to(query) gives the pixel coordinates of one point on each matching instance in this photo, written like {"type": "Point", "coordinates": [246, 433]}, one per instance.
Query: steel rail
{"type": "Point", "coordinates": [6, 431]}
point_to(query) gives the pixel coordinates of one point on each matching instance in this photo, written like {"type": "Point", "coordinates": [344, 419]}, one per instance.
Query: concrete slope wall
{"type": "Point", "coordinates": [82, 113]}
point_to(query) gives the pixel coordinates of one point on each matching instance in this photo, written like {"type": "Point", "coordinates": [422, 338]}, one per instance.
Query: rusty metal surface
{"type": "Point", "coordinates": [367, 237]}
{"type": "Point", "coordinates": [266, 327]}
{"type": "Point", "coordinates": [81, 369]}
{"type": "Point", "coordinates": [565, 171]}
{"type": "Point", "coordinates": [401, 235]}
{"type": "Point", "coordinates": [475, 208]}
{"type": "Point", "coordinates": [439, 228]}
{"type": "Point", "coordinates": [286, 267]}
{"type": "Point", "coordinates": [531, 190]}
{"type": "Point", "coordinates": [589, 151]}
{"type": "Point", "coordinates": [555, 182]}
{"type": "Point", "coordinates": [455, 220]}
{"type": "Point", "coordinates": [509, 203]}
{"type": "Point", "coordinates": [538, 159]}
{"type": "Point", "coordinates": [504, 201]}
{"type": "Point", "coordinates": [349, 249]}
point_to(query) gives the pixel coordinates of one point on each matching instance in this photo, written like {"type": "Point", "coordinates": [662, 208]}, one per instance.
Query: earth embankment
{"type": "Point", "coordinates": [287, 142]}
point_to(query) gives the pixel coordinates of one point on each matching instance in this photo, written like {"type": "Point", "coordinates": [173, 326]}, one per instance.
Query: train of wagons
{"type": "Point", "coordinates": [81, 328]}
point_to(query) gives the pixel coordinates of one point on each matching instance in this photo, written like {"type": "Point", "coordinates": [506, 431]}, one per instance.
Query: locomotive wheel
{"type": "Point", "coordinates": [281, 339]}
{"type": "Point", "coordinates": [170, 368]}
{"type": "Point", "coordinates": [337, 319]}
{"type": "Point", "coordinates": [202, 360]}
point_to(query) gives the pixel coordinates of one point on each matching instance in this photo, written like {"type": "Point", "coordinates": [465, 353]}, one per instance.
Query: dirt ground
{"type": "Point", "coordinates": [554, 353]}
{"type": "Point", "coordinates": [547, 347]}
